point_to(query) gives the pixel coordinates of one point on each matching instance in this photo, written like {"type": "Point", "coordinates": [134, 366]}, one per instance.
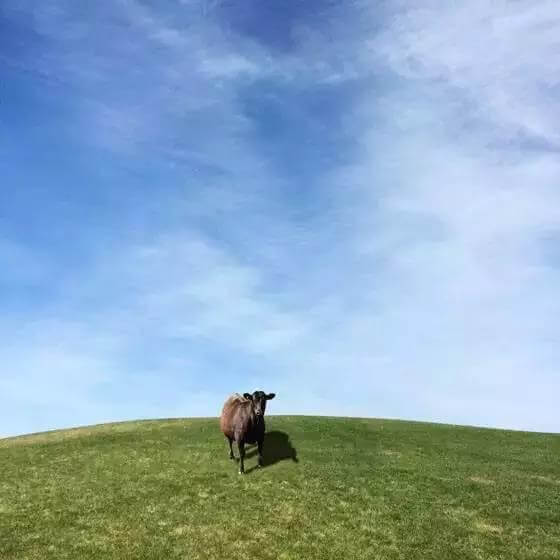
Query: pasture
{"type": "Point", "coordinates": [331, 488]}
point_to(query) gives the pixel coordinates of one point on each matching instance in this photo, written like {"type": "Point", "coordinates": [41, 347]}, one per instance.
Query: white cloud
{"type": "Point", "coordinates": [499, 54]}
{"type": "Point", "coordinates": [452, 216]}
{"type": "Point", "coordinates": [84, 350]}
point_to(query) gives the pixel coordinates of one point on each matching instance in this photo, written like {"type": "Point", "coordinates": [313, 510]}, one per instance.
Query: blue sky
{"type": "Point", "coordinates": [355, 205]}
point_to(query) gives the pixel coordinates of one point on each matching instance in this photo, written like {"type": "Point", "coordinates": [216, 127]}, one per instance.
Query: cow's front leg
{"type": "Point", "coordinates": [241, 445]}
{"type": "Point", "coordinates": [260, 446]}
{"type": "Point", "coordinates": [230, 441]}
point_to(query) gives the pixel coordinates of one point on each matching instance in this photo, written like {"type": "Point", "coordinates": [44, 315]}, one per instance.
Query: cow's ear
{"type": "Point", "coordinates": [270, 396]}
{"type": "Point", "coordinates": [248, 396]}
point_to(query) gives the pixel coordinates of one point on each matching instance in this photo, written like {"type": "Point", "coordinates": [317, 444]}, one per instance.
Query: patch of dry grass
{"type": "Point", "coordinates": [481, 480]}
{"type": "Point", "coordinates": [486, 527]}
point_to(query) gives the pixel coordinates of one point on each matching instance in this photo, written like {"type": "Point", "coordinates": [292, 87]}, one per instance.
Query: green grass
{"type": "Point", "coordinates": [360, 489]}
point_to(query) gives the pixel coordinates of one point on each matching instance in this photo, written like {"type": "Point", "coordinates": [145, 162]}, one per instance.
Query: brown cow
{"type": "Point", "coordinates": [242, 421]}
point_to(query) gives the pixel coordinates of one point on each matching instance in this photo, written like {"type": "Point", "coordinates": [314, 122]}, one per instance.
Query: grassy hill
{"type": "Point", "coordinates": [331, 488]}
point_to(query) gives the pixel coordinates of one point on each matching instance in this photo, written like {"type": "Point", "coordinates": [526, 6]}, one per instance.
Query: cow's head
{"type": "Point", "coordinates": [258, 401]}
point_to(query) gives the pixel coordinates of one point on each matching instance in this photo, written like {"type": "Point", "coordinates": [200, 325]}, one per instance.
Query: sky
{"type": "Point", "coordinates": [355, 205]}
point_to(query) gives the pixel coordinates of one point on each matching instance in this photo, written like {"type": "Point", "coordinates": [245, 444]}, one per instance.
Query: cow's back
{"type": "Point", "coordinates": [232, 414]}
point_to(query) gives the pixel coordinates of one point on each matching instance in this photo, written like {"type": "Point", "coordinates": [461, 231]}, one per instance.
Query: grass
{"type": "Point", "coordinates": [359, 489]}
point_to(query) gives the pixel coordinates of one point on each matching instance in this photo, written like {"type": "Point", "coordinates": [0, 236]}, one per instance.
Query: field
{"type": "Point", "coordinates": [331, 488]}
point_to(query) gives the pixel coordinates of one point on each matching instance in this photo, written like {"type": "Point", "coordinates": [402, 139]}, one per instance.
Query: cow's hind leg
{"type": "Point", "coordinates": [241, 446]}
{"type": "Point", "coordinates": [230, 441]}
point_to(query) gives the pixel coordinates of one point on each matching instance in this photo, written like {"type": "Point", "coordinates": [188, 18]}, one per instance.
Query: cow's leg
{"type": "Point", "coordinates": [260, 446]}
{"type": "Point", "coordinates": [230, 441]}
{"type": "Point", "coordinates": [241, 446]}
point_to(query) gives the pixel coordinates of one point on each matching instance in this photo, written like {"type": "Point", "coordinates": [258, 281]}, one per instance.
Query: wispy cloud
{"type": "Point", "coordinates": [362, 219]}
{"type": "Point", "coordinates": [495, 58]}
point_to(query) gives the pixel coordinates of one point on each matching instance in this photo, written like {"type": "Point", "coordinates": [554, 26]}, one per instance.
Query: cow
{"type": "Point", "coordinates": [242, 421]}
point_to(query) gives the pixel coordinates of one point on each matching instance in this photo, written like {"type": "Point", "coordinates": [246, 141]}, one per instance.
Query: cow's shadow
{"type": "Point", "coordinates": [277, 447]}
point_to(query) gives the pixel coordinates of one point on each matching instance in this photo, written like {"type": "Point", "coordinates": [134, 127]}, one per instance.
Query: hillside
{"type": "Point", "coordinates": [331, 488]}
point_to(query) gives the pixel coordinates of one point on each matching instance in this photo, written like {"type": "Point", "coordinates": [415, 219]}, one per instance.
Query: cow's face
{"type": "Point", "coordinates": [258, 401]}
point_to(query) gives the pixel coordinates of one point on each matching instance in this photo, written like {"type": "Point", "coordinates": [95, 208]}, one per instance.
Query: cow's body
{"type": "Point", "coordinates": [242, 421]}
{"type": "Point", "coordinates": [238, 421]}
